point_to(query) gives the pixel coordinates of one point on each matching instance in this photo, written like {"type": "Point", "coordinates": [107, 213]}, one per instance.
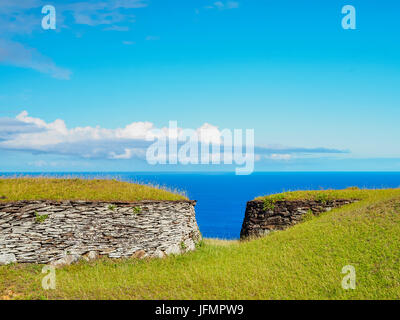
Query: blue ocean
{"type": "Point", "coordinates": [221, 197]}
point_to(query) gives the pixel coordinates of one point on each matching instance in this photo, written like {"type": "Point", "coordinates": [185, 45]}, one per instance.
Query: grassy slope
{"type": "Point", "coordinates": [303, 262]}
{"type": "Point", "coordinates": [80, 189]}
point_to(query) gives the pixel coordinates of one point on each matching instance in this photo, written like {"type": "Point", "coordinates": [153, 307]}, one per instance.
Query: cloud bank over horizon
{"type": "Point", "coordinates": [36, 136]}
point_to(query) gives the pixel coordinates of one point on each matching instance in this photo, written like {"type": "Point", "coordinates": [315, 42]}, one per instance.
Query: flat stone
{"type": "Point", "coordinates": [158, 254]}
{"type": "Point", "coordinates": [139, 254]}
{"type": "Point", "coordinates": [91, 255]}
{"type": "Point", "coordinates": [174, 249]}
{"type": "Point", "coordinates": [190, 245]}
{"type": "Point", "coordinates": [66, 261]}
{"type": "Point", "coordinates": [7, 258]}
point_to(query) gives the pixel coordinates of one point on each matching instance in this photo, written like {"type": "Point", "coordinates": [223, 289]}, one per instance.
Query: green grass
{"type": "Point", "coordinates": [14, 189]}
{"type": "Point", "coordinates": [40, 218]}
{"type": "Point", "coordinates": [351, 193]}
{"type": "Point", "coordinates": [302, 262]}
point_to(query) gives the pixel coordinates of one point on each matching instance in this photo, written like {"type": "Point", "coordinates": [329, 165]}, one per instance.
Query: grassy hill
{"type": "Point", "coordinates": [14, 189]}
{"type": "Point", "coordinates": [302, 262]}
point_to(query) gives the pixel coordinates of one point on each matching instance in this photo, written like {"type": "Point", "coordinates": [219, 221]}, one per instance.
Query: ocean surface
{"type": "Point", "coordinates": [221, 197]}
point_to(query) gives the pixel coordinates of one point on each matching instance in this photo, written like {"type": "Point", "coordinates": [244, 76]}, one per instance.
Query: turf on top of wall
{"type": "Point", "coordinates": [15, 189]}
{"type": "Point", "coordinates": [351, 193]}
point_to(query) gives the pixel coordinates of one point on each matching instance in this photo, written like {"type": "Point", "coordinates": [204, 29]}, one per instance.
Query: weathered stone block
{"type": "Point", "coordinates": [259, 221]}
{"type": "Point", "coordinates": [7, 258]}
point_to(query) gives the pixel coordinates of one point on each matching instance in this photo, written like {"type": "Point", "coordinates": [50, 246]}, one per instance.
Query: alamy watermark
{"type": "Point", "coordinates": [349, 280]}
{"type": "Point", "coordinates": [203, 146]}
{"type": "Point", "coordinates": [49, 280]}
{"type": "Point", "coordinates": [349, 20]}
{"type": "Point", "coordinates": [49, 20]}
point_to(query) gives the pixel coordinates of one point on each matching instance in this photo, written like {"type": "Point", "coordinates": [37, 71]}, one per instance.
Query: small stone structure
{"type": "Point", "coordinates": [259, 221]}
{"type": "Point", "coordinates": [62, 232]}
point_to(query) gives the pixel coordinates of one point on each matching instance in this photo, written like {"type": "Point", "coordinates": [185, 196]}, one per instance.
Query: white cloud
{"type": "Point", "coordinates": [10, 127]}
{"type": "Point", "coordinates": [117, 28]}
{"type": "Point", "coordinates": [223, 5]}
{"type": "Point", "coordinates": [14, 53]}
{"type": "Point", "coordinates": [129, 154]}
{"type": "Point", "coordinates": [232, 4]}
{"type": "Point", "coordinates": [275, 156]}
{"type": "Point", "coordinates": [24, 17]}
{"type": "Point", "coordinates": [26, 133]}
{"type": "Point", "coordinates": [88, 142]}
{"type": "Point", "coordinates": [209, 133]}
{"type": "Point", "coordinates": [16, 18]}
{"type": "Point", "coordinates": [94, 13]}
{"type": "Point", "coordinates": [58, 125]}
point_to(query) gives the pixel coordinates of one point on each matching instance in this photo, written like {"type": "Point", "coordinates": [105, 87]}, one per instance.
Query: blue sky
{"type": "Point", "coordinates": [286, 69]}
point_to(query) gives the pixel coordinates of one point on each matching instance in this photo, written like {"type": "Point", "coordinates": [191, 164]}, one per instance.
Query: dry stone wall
{"type": "Point", "coordinates": [64, 232]}
{"type": "Point", "coordinates": [260, 220]}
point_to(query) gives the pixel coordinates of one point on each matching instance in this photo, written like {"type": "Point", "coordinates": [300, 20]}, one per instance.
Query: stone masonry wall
{"type": "Point", "coordinates": [63, 232]}
{"type": "Point", "coordinates": [259, 221]}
